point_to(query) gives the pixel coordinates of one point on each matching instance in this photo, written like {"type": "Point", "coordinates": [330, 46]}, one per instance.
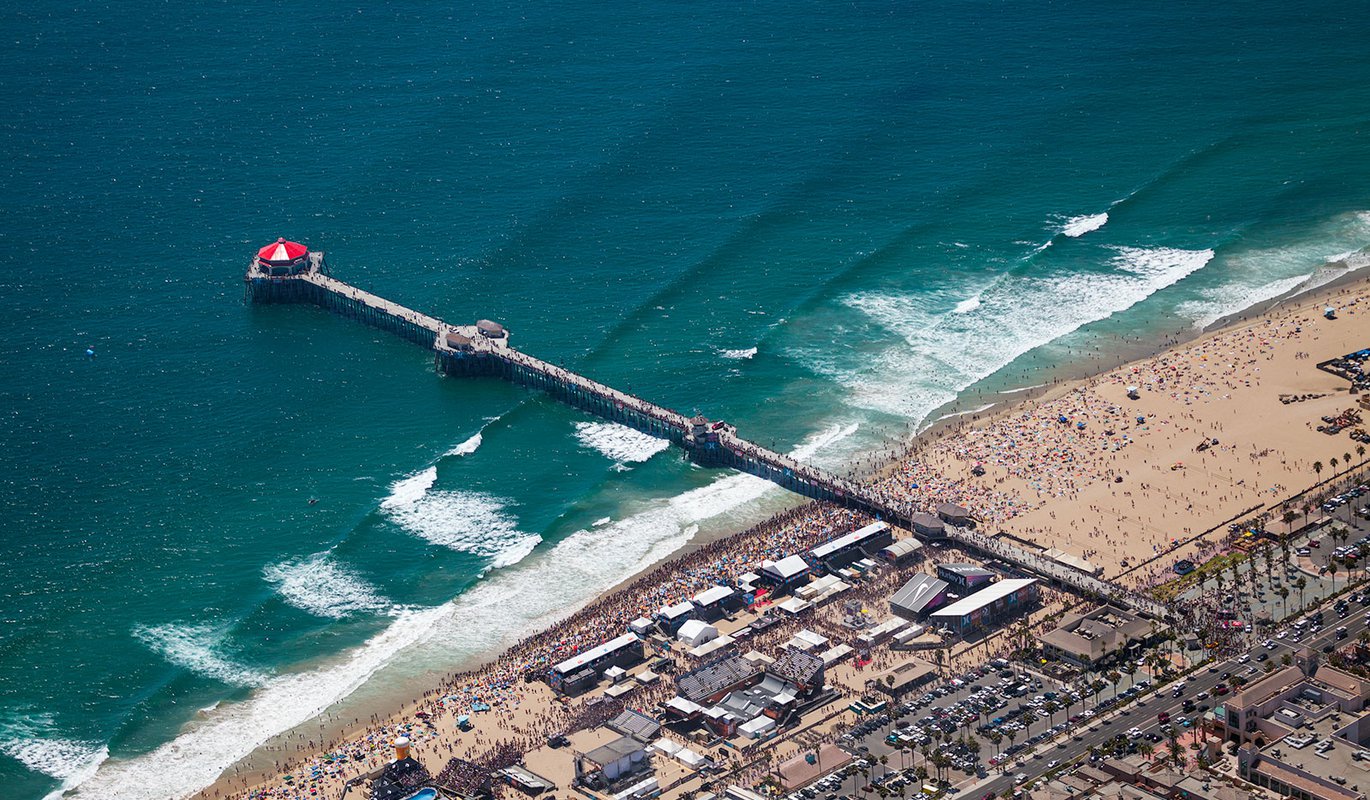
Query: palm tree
{"type": "Point", "coordinates": [1301, 584]}
{"type": "Point", "coordinates": [1317, 468]}
{"type": "Point", "coordinates": [1332, 570]}
{"type": "Point", "coordinates": [1346, 459]}
{"type": "Point", "coordinates": [1114, 677]}
{"type": "Point", "coordinates": [1333, 461]}
{"type": "Point", "coordinates": [1360, 451]}
{"type": "Point", "coordinates": [1052, 707]}
{"type": "Point", "coordinates": [1284, 600]}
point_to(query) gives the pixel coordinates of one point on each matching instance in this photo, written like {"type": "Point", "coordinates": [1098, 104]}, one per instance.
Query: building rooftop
{"type": "Point", "coordinates": [984, 597]}
{"type": "Point", "coordinates": [710, 679]}
{"type": "Point", "coordinates": [856, 537]}
{"type": "Point", "coordinates": [915, 595]}
{"type": "Point", "coordinates": [797, 667]}
{"type": "Point", "coordinates": [1095, 632]}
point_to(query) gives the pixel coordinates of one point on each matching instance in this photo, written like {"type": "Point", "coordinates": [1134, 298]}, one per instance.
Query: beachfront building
{"type": "Point", "coordinates": [785, 574]}
{"type": "Point", "coordinates": [671, 617]}
{"type": "Point", "coordinates": [966, 576]}
{"type": "Point", "coordinates": [902, 552]}
{"type": "Point", "coordinates": [996, 602]}
{"type": "Point", "coordinates": [695, 633]}
{"type": "Point", "coordinates": [837, 553]}
{"type": "Point", "coordinates": [1291, 699]}
{"type": "Point", "coordinates": [582, 671]}
{"type": "Point", "coordinates": [401, 777]}
{"type": "Point", "coordinates": [920, 596]}
{"type": "Point", "coordinates": [904, 678]}
{"type": "Point", "coordinates": [1098, 634]}
{"type": "Point", "coordinates": [716, 602]}
{"type": "Point", "coordinates": [621, 762]}
{"type": "Point", "coordinates": [1304, 731]}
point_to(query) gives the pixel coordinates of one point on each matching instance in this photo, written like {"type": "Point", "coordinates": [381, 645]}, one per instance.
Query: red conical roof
{"type": "Point", "coordinates": [282, 251]}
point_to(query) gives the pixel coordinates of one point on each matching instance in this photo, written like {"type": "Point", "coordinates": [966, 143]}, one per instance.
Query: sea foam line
{"type": "Point", "coordinates": [207, 747]}
{"type": "Point", "coordinates": [198, 649]}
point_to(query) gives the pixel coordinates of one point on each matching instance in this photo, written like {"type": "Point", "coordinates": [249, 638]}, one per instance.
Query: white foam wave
{"type": "Point", "coordinates": [968, 305]}
{"type": "Point", "coordinates": [207, 747]}
{"type": "Point", "coordinates": [1222, 301]}
{"type": "Point", "coordinates": [738, 354]}
{"type": "Point", "coordinates": [1075, 227]}
{"type": "Point", "coordinates": [494, 613]}
{"type": "Point", "coordinates": [199, 649]}
{"type": "Point", "coordinates": [619, 442]}
{"type": "Point", "coordinates": [1292, 268]}
{"type": "Point", "coordinates": [602, 521]}
{"type": "Point", "coordinates": [323, 588]}
{"type": "Point", "coordinates": [939, 354]}
{"type": "Point", "coordinates": [407, 491]}
{"type": "Point", "coordinates": [471, 522]}
{"type": "Point", "coordinates": [30, 739]}
{"type": "Point", "coordinates": [467, 447]}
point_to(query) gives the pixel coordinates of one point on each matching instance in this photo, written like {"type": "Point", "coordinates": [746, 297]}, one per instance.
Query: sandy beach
{"type": "Point", "coordinates": [1080, 466]}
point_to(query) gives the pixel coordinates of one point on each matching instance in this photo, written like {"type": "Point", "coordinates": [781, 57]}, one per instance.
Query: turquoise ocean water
{"type": "Point", "coordinates": [823, 222]}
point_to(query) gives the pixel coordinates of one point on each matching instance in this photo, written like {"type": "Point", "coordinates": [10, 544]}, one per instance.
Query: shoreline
{"type": "Point", "coordinates": [1066, 378]}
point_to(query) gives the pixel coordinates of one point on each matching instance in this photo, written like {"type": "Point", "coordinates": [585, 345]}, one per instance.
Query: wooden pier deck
{"type": "Point", "coordinates": [466, 350]}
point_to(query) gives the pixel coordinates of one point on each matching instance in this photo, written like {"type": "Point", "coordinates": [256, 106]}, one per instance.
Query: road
{"type": "Point", "coordinates": [1142, 714]}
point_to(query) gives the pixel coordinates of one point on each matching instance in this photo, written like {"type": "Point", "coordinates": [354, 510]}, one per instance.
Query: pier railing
{"type": "Point", "coordinates": [467, 351]}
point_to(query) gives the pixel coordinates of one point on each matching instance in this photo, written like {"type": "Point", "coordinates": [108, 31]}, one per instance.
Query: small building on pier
{"type": "Point", "coordinates": [953, 514]}
{"type": "Point", "coordinates": [459, 342]}
{"type": "Point", "coordinates": [491, 330]}
{"type": "Point", "coordinates": [929, 526]}
{"type": "Point", "coordinates": [281, 258]}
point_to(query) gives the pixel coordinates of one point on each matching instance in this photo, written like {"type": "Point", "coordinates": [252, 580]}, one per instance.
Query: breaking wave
{"type": "Point", "coordinates": [321, 587]}
{"type": "Point", "coordinates": [467, 447]}
{"type": "Point", "coordinates": [471, 522]}
{"type": "Point", "coordinates": [738, 354]}
{"type": "Point", "coordinates": [939, 354]}
{"type": "Point", "coordinates": [619, 443]}
{"type": "Point", "coordinates": [407, 491]}
{"type": "Point", "coordinates": [1075, 227]}
{"type": "Point", "coordinates": [30, 739]}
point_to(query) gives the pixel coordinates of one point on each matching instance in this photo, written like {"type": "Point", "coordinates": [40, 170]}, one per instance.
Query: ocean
{"type": "Point", "coordinates": [828, 223]}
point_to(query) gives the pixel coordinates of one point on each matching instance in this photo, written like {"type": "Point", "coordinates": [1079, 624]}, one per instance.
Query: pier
{"type": "Point", "coordinates": [287, 273]}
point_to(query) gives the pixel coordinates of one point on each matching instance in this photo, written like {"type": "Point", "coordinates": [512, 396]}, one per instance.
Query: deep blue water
{"type": "Point", "coordinates": [879, 198]}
